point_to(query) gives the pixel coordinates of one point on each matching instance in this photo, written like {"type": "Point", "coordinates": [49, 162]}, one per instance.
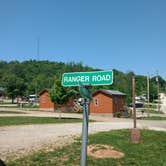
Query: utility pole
{"type": "Point", "coordinates": [134, 108]}
{"type": "Point", "coordinates": [38, 48]}
{"type": "Point", "coordinates": [158, 91]}
{"type": "Point", "coordinates": [38, 54]}
{"type": "Point", "coordinates": [148, 98]}
{"type": "Point", "coordinates": [135, 136]}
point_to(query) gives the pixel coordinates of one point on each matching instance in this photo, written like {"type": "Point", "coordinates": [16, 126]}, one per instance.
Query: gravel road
{"type": "Point", "coordinates": [17, 140]}
{"type": "Point", "coordinates": [20, 140]}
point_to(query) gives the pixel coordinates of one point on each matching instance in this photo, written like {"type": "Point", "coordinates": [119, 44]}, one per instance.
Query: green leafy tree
{"type": "Point", "coordinates": [14, 86]}
{"type": "Point", "coordinates": [30, 77]}
{"type": "Point", "coordinates": [153, 91]}
{"type": "Point", "coordinates": [59, 94]}
{"type": "Point", "coordinates": [141, 85]}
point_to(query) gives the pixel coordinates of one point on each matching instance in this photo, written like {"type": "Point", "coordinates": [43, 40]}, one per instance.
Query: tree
{"type": "Point", "coordinates": [60, 95]}
{"type": "Point", "coordinates": [30, 77]}
{"type": "Point", "coordinates": [153, 91]}
{"type": "Point", "coordinates": [14, 87]}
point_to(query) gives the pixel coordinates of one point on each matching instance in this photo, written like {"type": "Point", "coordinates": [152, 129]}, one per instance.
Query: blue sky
{"type": "Point", "coordinates": [128, 35]}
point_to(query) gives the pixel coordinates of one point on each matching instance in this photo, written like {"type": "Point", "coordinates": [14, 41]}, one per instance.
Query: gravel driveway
{"type": "Point", "coordinates": [17, 140]}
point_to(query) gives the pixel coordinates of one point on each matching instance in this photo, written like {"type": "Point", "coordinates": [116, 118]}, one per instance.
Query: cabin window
{"type": "Point", "coordinates": [96, 102]}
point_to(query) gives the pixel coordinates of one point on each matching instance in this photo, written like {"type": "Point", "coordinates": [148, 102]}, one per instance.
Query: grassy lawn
{"type": "Point", "coordinates": [22, 107]}
{"type": "Point", "coordinates": [154, 112]}
{"type": "Point", "coordinates": [11, 112]}
{"type": "Point", "coordinates": [150, 152]}
{"type": "Point", "coordinates": [153, 118]}
{"type": "Point", "coordinates": [151, 111]}
{"type": "Point", "coordinates": [28, 106]}
{"type": "Point", "coordinates": [9, 106]}
{"type": "Point", "coordinates": [8, 121]}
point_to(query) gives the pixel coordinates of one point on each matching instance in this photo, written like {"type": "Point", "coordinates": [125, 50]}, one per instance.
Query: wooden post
{"type": "Point", "coordinates": [135, 136]}
{"type": "Point", "coordinates": [134, 109]}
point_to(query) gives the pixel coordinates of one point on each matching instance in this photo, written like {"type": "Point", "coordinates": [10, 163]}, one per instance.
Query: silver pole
{"type": "Point", "coordinates": [85, 133]}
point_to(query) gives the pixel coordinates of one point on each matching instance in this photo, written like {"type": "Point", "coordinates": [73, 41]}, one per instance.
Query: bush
{"type": "Point", "coordinates": [117, 114]}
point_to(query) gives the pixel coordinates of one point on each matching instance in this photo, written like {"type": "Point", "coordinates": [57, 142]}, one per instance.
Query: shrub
{"type": "Point", "coordinates": [117, 114]}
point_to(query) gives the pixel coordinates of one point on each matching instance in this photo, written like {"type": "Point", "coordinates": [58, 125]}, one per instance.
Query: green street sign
{"type": "Point", "coordinates": [87, 78]}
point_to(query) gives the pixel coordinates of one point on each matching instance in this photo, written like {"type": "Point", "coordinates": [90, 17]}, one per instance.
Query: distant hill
{"type": "Point", "coordinates": [30, 77]}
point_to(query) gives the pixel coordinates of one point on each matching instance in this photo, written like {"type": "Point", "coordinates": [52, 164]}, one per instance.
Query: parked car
{"type": "Point", "coordinates": [33, 99]}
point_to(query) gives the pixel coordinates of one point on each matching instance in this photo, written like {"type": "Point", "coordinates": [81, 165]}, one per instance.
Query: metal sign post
{"type": "Point", "coordinates": [84, 80]}
{"type": "Point", "coordinates": [85, 132]}
{"type": "Point", "coordinates": [86, 93]}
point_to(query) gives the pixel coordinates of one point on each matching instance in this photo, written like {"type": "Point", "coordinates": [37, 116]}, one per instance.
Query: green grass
{"type": "Point", "coordinates": [8, 106]}
{"type": "Point", "coordinates": [154, 112]}
{"type": "Point", "coordinates": [153, 118]}
{"type": "Point", "coordinates": [17, 106]}
{"type": "Point", "coordinates": [150, 152]}
{"type": "Point", "coordinates": [28, 106]}
{"type": "Point", "coordinates": [11, 112]}
{"type": "Point", "coordinates": [8, 121]}
{"type": "Point", "coordinates": [151, 111]}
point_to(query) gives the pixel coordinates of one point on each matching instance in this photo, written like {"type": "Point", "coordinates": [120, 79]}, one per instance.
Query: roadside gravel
{"type": "Point", "coordinates": [18, 140]}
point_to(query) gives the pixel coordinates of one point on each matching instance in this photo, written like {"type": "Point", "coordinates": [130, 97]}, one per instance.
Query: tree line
{"type": "Point", "coordinates": [20, 79]}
